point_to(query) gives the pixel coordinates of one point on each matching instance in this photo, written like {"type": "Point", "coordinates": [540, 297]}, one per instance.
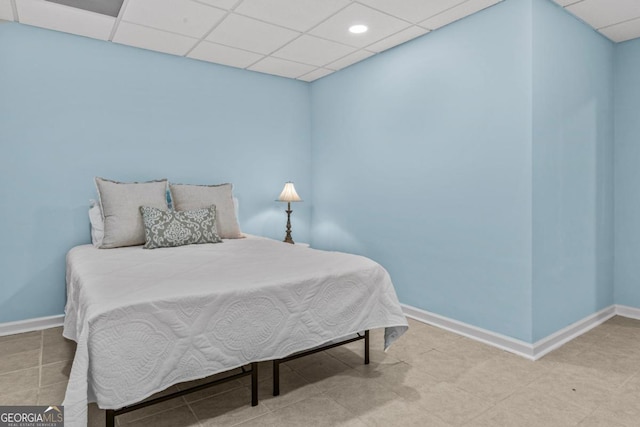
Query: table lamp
{"type": "Point", "coordinates": [289, 195]}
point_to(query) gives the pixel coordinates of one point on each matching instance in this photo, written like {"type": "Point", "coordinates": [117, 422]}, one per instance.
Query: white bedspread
{"type": "Point", "coordinates": [147, 319]}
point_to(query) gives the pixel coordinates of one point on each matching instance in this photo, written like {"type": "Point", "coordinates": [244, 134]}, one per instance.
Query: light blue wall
{"type": "Point", "coordinates": [72, 108]}
{"type": "Point", "coordinates": [475, 163]}
{"type": "Point", "coordinates": [421, 160]}
{"type": "Point", "coordinates": [573, 143]}
{"type": "Point", "coordinates": [627, 168]}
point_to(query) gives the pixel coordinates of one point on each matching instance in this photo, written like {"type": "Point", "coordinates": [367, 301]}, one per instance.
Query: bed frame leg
{"type": "Point", "coordinates": [276, 378]}
{"type": "Point", "coordinates": [110, 418]}
{"type": "Point", "coordinates": [254, 384]}
{"type": "Point", "coordinates": [366, 347]}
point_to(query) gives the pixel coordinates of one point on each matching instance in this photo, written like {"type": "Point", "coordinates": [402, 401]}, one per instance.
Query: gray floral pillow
{"type": "Point", "coordinates": [166, 229]}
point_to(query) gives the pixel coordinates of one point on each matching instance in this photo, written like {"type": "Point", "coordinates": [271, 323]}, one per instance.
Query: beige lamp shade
{"type": "Point", "coordinates": [289, 194]}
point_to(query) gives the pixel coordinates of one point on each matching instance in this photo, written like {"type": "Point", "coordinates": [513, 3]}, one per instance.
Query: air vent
{"type": "Point", "coordinates": [103, 7]}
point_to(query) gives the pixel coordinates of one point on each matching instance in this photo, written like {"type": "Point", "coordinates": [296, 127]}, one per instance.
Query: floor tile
{"type": "Point", "coordinates": [227, 409]}
{"type": "Point", "coordinates": [452, 405]}
{"type": "Point", "coordinates": [19, 398]}
{"type": "Point", "coordinates": [52, 394]}
{"type": "Point", "coordinates": [318, 411]}
{"type": "Point", "coordinates": [58, 351]}
{"type": "Point", "coordinates": [178, 417]}
{"type": "Point", "coordinates": [148, 411]}
{"type": "Point", "coordinates": [95, 416]}
{"type": "Point", "coordinates": [632, 384]}
{"type": "Point", "coordinates": [601, 418]}
{"type": "Point", "coordinates": [624, 321]}
{"type": "Point", "coordinates": [265, 370]}
{"type": "Point", "coordinates": [470, 350]}
{"type": "Point", "coordinates": [623, 407]}
{"type": "Point", "coordinates": [403, 379]}
{"type": "Point", "coordinates": [360, 394]}
{"type": "Point", "coordinates": [209, 391]}
{"type": "Point", "coordinates": [325, 372]}
{"type": "Point", "coordinates": [499, 377]}
{"type": "Point", "coordinates": [400, 412]}
{"type": "Point", "coordinates": [19, 380]}
{"type": "Point", "coordinates": [55, 373]}
{"type": "Point", "coordinates": [542, 409]}
{"type": "Point", "coordinates": [6, 338]}
{"type": "Point", "coordinates": [19, 345]}
{"type": "Point", "coordinates": [53, 334]}
{"type": "Point", "coordinates": [587, 391]}
{"type": "Point", "coordinates": [442, 366]}
{"type": "Point", "coordinates": [293, 388]}
{"type": "Point", "coordinates": [353, 356]}
{"type": "Point", "coordinates": [18, 361]}
{"type": "Point", "coordinates": [501, 417]}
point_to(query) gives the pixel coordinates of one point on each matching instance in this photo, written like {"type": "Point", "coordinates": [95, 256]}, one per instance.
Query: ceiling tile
{"type": "Point", "coordinates": [349, 59]}
{"type": "Point", "coordinates": [299, 15]}
{"type": "Point", "coordinates": [6, 12]}
{"type": "Point", "coordinates": [566, 2]}
{"type": "Point", "coordinates": [380, 26]}
{"type": "Point", "coordinates": [281, 67]}
{"type": "Point", "coordinates": [222, 4]}
{"type": "Point", "coordinates": [312, 50]}
{"type": "Point", "coordinates": [397, 38]}
{"type": "Point", "coordinates": [602, 13]}
{"type": "Point", "coordinates": [624, 31]}
{"type": "Point", "coordinates": [150, 38]}
{"type": "Point", "coordinates": [315, 74]}
{"type": "Point", "coordinates": [412, 10]}
{"type": "Point", "coordinates": [184, 17]}
{"type": "Point", "coordinates": [250, 34]}
{"type": "Point", "coordinates": [458, 12]}
{"type": "Point", "coordinates": [225, 55]}
{"type": "Point", "coordinates": [63, 18]}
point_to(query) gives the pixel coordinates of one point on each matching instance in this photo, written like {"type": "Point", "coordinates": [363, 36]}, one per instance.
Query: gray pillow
{"type": "Point", "coordinates": [120, 204]}
{"type": "Point", "coordinates": [189, 197]}
{"type": "Point", "coordinates": [167, 229]}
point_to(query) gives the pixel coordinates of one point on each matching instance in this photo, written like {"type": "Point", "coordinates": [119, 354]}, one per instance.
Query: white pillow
{"type": "Point", "coordinates": [97, 223]}
{"type": "Point", "coordinates": [187, 197]}
{"type": "Point", "coordinates": [120, 205]}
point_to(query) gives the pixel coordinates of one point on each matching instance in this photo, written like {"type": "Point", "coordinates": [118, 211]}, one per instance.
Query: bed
{"type": "Point", "coordinates": [144, 320]}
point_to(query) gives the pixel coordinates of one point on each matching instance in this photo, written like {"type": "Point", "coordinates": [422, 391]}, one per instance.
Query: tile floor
{"type": "Point", "coordinates": [428, 378]}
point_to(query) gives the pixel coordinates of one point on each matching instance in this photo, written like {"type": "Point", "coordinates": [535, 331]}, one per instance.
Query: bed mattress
{"type": "Point", "coordinates": [147, 319]}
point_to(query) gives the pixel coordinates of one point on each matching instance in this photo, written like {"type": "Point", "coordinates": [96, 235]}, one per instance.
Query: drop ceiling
{"type": "Point", "coordinates": [300, 39]}
{"type": "Point", "coordinates": [619, 20]}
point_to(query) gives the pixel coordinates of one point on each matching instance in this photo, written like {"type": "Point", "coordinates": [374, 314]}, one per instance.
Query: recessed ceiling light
{"type": "Point", "coordinates": [358, 29]}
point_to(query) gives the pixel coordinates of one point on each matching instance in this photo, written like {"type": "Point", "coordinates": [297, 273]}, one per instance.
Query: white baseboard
{"type": "Point", "coordinates": [29, 325]}
{"type": "Point", "coordinates": [522, 348]}
{"type": "Point", "coordinates": [626, 311]}
{"type": "Point", "coordinates": [564, 335]}
{"type": "Point", "coordinates": [512, 345]}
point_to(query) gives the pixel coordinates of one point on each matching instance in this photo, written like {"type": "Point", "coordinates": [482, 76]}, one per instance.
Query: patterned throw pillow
{"type": "Point", "coordinates": [166, 229]}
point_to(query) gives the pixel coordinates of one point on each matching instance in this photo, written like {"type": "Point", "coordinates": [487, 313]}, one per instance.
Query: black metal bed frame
{"type": "Point", "coordinates": [111, 414]}
{"type": "Point", "coordinates": [277, 362]}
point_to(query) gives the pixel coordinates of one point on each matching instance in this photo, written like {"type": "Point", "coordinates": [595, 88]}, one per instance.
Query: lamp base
{"type": "Point", "coordinates": [288, 238]}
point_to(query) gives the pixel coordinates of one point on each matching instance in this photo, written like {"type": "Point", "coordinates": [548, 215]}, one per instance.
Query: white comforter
{"type": "Point", "coordinates": [147, 319]}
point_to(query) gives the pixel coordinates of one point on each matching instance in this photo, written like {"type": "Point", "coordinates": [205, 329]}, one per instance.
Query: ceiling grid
{"type": "Point", "coordinates": [302, 39]}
